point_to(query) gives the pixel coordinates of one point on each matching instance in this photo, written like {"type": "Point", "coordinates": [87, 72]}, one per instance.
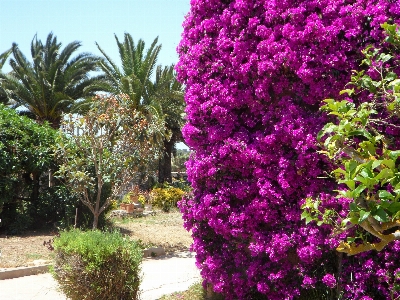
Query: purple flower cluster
{"type": "Point", "coordinates": [255, 73]}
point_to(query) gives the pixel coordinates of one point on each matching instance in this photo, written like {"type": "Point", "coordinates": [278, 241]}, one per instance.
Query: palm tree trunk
{"type": "Point", "coordinates": [165, 163]}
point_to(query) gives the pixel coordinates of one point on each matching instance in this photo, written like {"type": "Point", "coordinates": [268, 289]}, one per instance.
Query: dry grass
{"type": "Point", "coordinates": [163, 229]}
{"type": "Point", "coordinates": [21, 250]}
{"type": "Point", "coordinates": [194, 292]}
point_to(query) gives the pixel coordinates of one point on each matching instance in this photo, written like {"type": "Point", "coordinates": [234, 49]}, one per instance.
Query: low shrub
{"type": "Point", "coordinates": [97, 265]}
{"type": "Point", "coordinates": [166, 198]}
{"type": "Point", "coordinates": [113, 205]}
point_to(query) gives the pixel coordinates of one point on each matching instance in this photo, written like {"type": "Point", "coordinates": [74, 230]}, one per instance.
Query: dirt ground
{"type": "Point", "coordinates": [163, 229]}
{"type": "Point", "coordinates": [21, 250]}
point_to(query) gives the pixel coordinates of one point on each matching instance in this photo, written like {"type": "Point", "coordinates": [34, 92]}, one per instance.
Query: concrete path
{"type": "Point", "coordinates": [163, 275]}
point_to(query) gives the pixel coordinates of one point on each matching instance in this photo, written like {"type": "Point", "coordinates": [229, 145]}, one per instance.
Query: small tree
{"type": "Point", "coordinates": [363, 144]}
{"type": "Point", "coordinates": [104, 148]}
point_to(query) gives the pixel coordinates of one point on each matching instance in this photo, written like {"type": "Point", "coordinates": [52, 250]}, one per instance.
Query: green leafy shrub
{"type": "Point", "coordinates": [28, 199]}
{"type": "Point", "coordinates": [97, 265]}
{"type": "Point", "coordinates": [166, 197]}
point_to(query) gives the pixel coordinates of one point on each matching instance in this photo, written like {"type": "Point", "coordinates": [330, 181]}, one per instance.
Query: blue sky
{"type": "Point", "coordinates": [90, 21]}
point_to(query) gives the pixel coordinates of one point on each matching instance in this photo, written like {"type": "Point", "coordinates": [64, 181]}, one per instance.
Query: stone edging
{"type": "Point", "coordinates": [23, 271]}
{"type": "Point", "coordinates": [153, 252]}
{"type": "Point", "coordinates": [10, 273]}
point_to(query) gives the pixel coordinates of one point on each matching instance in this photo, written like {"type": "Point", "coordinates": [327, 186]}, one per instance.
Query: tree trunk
{"type": "Point", "coordinates": [165, 162]}
{"type": "Point", "coordinates": [161, 177]}
{"type": "Point", "coordinates": [95, 221]}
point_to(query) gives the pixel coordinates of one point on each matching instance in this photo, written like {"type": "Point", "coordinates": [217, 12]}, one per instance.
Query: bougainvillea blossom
{"type": "Point", "coordinates": [256, 72]}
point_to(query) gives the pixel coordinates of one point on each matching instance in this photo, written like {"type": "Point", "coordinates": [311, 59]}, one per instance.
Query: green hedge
{"type": "Point", "coordinates": [26, 156]}
{"type": "Point", "coordinates": [96, 265]}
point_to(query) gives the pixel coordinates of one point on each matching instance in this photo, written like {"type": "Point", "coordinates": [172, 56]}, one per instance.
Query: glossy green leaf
{"type": "Point", "coordinates": [376, 163]}
{"type": "Point", "coordinates": [385, 195]}
{"type": "Point", "coordinates": [380, 215]}
{"type": "Point", "coordinates": [308, 219]}
{"type": "Point", "coordinates": [360, 188]}
{"type": "Point", "coordinates": [384, 174]}
{"type": "Point", "coordinates": [394, 154]}
{"type": "Point", "coordinates": [394, 207]}
{"type": "Point", "coordinates": [353, 207]}
{"type": "Point", "coordinates": [383, 57]}
{"type": "Point", "coordinates": [339, 171]}
{"type": "Point", "coordinates": [389, 163]}
{"type": "Point", "coordinates": [349, 92]}
{"type": "Point", "coordinates": [363, 216]}
{"type": "Point", "coordinates": [350, 183]}
{"type": "Point", "coordinates": [360, 132]}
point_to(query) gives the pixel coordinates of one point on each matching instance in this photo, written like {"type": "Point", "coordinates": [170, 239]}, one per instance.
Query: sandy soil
{"type": "Point", "coordinates": [18, 251]}
{"type": "Point", "coordinates": [163, 229]}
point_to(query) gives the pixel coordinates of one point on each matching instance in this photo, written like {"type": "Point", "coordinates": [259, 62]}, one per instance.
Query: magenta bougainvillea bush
{"type": "Point", "coordinates": [256, 72]}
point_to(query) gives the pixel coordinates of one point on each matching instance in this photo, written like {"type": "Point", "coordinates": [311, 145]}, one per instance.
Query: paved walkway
{"type": "Point", "coordinates": [163, 275]}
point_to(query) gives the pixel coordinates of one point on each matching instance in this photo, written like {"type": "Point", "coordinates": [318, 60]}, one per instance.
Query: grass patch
{"type": "Point", "coordinates": [195, 292]}
{"type": "Point", "coordinates": [160, 218]}
{"type": "Point", "coordinates": [33, 256]}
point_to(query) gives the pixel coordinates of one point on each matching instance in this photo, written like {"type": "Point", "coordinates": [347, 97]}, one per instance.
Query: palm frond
{"type": "Point", "coordinates": [53, 81]}
{"type": "Point", "coordinates": [3, 57]}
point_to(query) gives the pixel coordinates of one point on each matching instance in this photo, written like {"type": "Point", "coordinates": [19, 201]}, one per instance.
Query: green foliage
{"type": "Point", "coordinates": [137, 68]}
{"type": "Point", "coordinates": [3, 58]}
{"type": "Point", "coordinates": [106, 147]}
{"type": "Point", "coordinates": [95, 265]}
{"type": "Point", "coordinates": [166, 197]}
{"type": "Point", "coordinates": [182, 184]}
{"type": "Point", "coordinates": [52, 83]}
{"type": "Point", "coordinates": [168, 92]}
{"type": "Point", "coordinates": [25, 159]}
{"type": "Point", "coordinates": [161, 100]}
{"type": "Point", "coordinates": [365, 154]}
{"type": "Point", "coordinates": [179, 160]}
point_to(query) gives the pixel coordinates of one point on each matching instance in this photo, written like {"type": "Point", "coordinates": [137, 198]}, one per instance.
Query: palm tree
{"type": "Point", "coordinates": [3, 59]}
{"type": "Point", "coordinates": [53, 82]}
{"type": "Point", "coordinates": [168, 92]}
{"type": "Point", "coordinates": [134, 78]}
{"type": "Point", "coordinates": [161, 101]}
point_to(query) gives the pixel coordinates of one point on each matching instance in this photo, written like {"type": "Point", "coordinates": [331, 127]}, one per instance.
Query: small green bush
{"type": "Point", "coordinates": [95, 265]}
{"type": "Point", "coordinates": [166, 198]}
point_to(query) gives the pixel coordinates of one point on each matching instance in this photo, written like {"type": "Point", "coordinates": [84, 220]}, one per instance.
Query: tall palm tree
{"type": "Point", "coordinates": [168, 92]}
{"type": "Point", "coordinates": [53, 82]}
{"type": "Point", "coordinates": [134, 78]}
{"type": "Point", "coordinates": [161, 101]}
